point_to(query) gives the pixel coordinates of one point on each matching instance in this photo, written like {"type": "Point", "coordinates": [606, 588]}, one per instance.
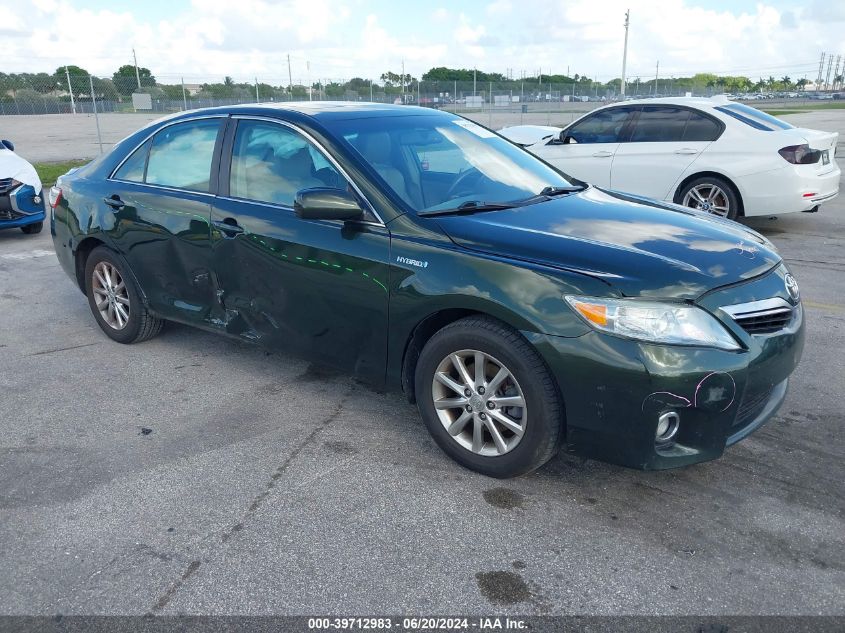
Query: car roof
{"type": "Point", "coordinates": [325, 110]}
{"type": "Point", "coordinates": [702, 103]}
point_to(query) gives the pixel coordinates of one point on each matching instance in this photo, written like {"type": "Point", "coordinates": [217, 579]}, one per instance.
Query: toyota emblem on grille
{"type": "Point", "coordinates": [791, 286]}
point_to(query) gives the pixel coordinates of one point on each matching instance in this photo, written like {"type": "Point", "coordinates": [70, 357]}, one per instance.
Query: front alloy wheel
{"type": "Point", "coordinates": [479, 402]}
{"type": "Point", "coordinates": [475, 381]}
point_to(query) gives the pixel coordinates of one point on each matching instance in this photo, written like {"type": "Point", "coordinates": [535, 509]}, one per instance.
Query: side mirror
{"type": "Point", "coordinates": [324, 203]}
{"type": "Point", "coordinates": [566, 139]}
{"type": "Point", "coordinates": [8, 145]}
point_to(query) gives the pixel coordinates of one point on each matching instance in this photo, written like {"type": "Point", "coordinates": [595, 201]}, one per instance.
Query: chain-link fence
{"type": "Point", "coordinates": [493, 103]}
{"type": "Point", "coordinates": [68, 92]}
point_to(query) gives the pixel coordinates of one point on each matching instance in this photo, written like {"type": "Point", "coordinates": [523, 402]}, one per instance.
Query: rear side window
{"type": "Point", "coordinates": [660, 124]}
{"type": "Point", "coordinates": [754, 117]}
{"type": "Point", "coordinates": [605, 126]}
{"type": "Point", "coordinates": [181, 155]}
{"type": "Point", "coordinates": [133, 169]}
{"type": "Point", "coordinates": [701, 128]}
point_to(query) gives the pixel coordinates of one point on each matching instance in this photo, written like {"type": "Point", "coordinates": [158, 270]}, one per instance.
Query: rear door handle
{"type": "Point", "coordinates": [686, 150]}
{"type": "Point", "coordinates": [114, 202]}
{"type": "Point", "coordinates": [229, 226]}
{"type": "Point", "coordinates": [603, 154]}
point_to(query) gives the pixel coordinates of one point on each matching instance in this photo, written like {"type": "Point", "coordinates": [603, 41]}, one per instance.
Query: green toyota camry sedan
{"type": "Point", "coordinates": [522, 310]}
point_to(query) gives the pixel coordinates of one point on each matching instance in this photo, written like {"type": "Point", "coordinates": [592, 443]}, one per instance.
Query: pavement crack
{"type": "Point", "coordinates": [167, 596]}
{"type": "Point", "coordinates": [283, 467]}
{"type": "Point", "coordinates": [64, 349]}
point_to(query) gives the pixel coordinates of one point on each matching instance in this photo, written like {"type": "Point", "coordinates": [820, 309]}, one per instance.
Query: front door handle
{"type": "Point", "coordinates": [228, 226]}
{"type": "Point", "coordinates": [603, 154]}
{"type": "Point", "coordinates": [114, 202]}
{"type": "Point", "coordinates": [686, 150]}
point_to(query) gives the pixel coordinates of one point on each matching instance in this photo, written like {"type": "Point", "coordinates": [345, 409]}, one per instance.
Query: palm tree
{"type": "Point", "coordinates": [786, 81]}
{"type": "Point", "coordinates": [801, 83]}
{"type": "Point", "coordinates": [837, 81]}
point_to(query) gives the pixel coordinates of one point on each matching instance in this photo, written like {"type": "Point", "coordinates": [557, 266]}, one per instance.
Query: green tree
{"type": "Point", "coordinates": [78, 79]}
{"type": "Point", "coordinates": [126, 82]}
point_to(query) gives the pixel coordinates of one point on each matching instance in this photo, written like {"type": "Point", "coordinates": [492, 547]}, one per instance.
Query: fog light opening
{"type": "Point", "coordinates": [667, 427]}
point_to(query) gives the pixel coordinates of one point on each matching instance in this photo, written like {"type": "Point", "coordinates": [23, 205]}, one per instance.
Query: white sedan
{"type": "Point", "coordinates": [710, 154]}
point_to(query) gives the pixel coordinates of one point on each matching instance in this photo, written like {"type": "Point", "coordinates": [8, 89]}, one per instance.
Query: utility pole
{"type": "Point", "coordinates": [656, 72]}
{"type": "Point", "coordinates": [403, 81]}
{"type": "Point", "coordinates": [70, 90]}
{"type": "Point", "coordinates": [474, 72]}
{"type": "Point", "coordinates": [290, 79]}
{"type": "Point", "coordinates": [625, 53]}
{"type": "Point", "coordinates": [256, 91]}
{"type": "Point", "coordinates": [137, 74]}
{"type": "Point", "coordinates": [311, 88]}
{"type": "Point", "coordinates": [184, 96]}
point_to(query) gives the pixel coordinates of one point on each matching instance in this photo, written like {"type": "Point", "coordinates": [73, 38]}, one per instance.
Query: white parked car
{"type": "Point", "coordinates": [715, 155]}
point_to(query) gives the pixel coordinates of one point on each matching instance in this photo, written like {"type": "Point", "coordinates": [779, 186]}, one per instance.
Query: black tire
{"type": "Point", "coordinates": [32, 229]}
{"type": "Point", "coordinates": [543, 432]}
{"type": "Point", "coordinates": [708, 181]}
{"type": "Point", "coordinates": [140, 325]}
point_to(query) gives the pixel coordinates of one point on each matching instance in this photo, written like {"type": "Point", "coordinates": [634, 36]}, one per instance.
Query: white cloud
{"type": "Point", "coordinates": [344, 38]}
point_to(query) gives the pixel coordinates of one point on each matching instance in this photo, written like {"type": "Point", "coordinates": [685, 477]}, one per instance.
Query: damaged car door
{"type": "Point", "coordinates": [316, 287]}
{"type": "Point", "coordinates": [155, 213]}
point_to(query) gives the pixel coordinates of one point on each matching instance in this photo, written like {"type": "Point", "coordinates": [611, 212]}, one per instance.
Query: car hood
{"type": "Point", "coordinates": [639, 246]}
{"type": "Point", "coordinates": [13, 166]}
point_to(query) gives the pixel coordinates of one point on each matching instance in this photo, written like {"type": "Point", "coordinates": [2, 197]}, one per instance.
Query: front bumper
{"type": "Point", "coordinates": [20, 207]}
{"type": "Point", "coordinates": [614, 390]}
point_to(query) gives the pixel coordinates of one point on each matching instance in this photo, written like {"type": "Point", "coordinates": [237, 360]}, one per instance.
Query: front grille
{"type": "Point", "coordinates": [766, 323]}
{"type": "Point", "coordinates": [753, 402]}
{"type": "Point", "coordinates": [762, 317]}
{"type": "Point", "coordinates": [5, 185]}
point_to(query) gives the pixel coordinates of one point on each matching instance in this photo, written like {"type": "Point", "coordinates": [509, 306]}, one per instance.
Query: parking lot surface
{"type": "Point", "coordinates": [194, 474]}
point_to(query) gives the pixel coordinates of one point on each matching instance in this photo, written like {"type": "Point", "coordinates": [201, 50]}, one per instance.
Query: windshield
{"type": "Point", "coordinates": [754, 117]}
{"type": "Point", "coordinates": [442, 162]}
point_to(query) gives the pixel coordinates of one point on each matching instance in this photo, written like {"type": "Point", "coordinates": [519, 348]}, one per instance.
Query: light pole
{"type": "Point", "coordinates": [625, 54]}
{"type": "Point", "coordinates": [137, 74]}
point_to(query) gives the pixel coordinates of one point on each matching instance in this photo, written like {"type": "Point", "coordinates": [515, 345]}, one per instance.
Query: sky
{"type": "Point", "coordinates": [203, 40]}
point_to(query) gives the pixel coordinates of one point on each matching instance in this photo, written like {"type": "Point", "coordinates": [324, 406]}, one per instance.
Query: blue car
{"type": "Point", "coordinates": [21, 203]}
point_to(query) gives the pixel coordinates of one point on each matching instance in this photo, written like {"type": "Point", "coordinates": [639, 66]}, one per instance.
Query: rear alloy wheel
{"type": "Point", "coordinates": [115, 300]}
{"type": "Point", "coordinates": [711, 195]}
{"type": "Point", "coordinates": [476, 382]}
{"type": "Point", "coordinates": [32, 229]}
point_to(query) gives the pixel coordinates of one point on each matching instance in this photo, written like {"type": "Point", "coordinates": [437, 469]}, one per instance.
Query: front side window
{"type": "Point", "coordinates": [471, 163]}
{"type": "Point", "coordinates": [271, 163]}
{"type": "Point", "coordinates": [605, 126]}
{"type": "Point", "coordinates": [660, 124]}
{"type": "Point", "coordinates": [181, 155]}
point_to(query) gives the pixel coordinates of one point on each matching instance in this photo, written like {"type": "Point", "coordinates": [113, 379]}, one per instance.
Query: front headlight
{"type": "Point", "coordinates": [674, 324]}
